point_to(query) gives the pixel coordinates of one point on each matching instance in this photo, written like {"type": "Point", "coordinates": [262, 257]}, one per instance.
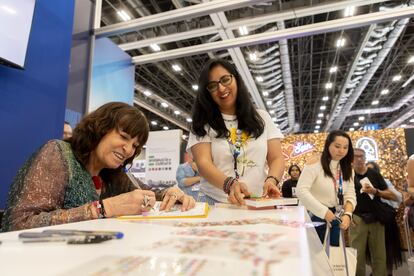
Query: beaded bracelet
{"type": "Point", "coordinates": [228, 182]}
{"type": "Point", "coordinates": [272, 177]}
{"type": "Point", "coordinates": [103, 212]}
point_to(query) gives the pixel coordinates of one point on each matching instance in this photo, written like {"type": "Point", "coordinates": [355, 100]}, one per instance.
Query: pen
{"type": "Point", "coordinates": [105, 234]}
{"type": "Point", "coordinates": [132, 178]}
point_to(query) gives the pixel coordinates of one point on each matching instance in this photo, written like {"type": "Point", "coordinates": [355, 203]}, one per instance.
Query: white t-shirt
{"type": "Point", "coordinates": [251, 163]}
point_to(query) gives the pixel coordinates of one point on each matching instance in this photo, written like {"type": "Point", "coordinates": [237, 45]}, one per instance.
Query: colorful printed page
{"type": "Point", "coordinates": [268, 202]}
{"type": "Point", "coordinates": [199, 211]}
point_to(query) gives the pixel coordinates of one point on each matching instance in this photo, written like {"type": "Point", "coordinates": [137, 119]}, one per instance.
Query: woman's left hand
{"type": "Point", "coordinates": [270, 189]}
{"type": "Point", "coordinates": [174, 194]}
{"type": "Point", "coordinates": [346, 222]}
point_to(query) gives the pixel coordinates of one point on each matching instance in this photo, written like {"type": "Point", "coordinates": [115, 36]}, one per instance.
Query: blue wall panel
{"type": "Point", "coordinates": [112, 75]}
{"type": "Point", "coordinates": [32, 105]}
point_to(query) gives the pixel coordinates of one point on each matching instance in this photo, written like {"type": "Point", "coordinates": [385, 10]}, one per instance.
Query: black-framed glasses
{"type": "Point", "coordinates": [225, 80]}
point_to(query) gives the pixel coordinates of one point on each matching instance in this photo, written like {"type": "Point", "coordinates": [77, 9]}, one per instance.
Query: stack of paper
{"type": "Point", "coordinates": [270, 202]}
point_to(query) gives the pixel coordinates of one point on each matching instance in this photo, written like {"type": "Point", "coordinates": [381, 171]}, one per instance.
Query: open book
{"type": "Point", "coordinates": [199, 211]}
{"type": "Point", "coordinates": [270, 202]}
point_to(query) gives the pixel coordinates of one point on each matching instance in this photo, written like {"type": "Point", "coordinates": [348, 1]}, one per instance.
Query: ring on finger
{"type": "Point", "coordinates": [145, 202]}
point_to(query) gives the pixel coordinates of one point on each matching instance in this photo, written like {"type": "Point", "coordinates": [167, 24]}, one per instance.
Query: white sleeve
{"type": "Point", "coordinates": [194, 140]}
{"type": "Point", "coordinates": [305, 182]}
{"type": "Point", "coordinates": [272, 130]}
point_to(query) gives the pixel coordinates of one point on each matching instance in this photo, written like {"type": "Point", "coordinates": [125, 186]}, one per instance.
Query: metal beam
{"type": "Point", "coordinates": [168, 38]}
{"type": "Point", "coordinates": [174, 16]}
{"type": "Point", "coordinates": [301, 31]}
{"type": "Point", "coordinates": [301, 12]}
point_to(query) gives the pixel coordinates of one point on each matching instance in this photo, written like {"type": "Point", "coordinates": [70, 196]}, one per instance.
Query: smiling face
{"type": "Point", "coordinates": [225, 96]}
{"type": "Point", "coordinates": [113, 149]}
{"type": "Point", "coordinates": [338, 149]}
{"type": "Point", "coordinates": [295, 173]}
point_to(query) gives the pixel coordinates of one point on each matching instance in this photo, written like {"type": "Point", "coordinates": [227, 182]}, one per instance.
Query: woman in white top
{"type": "Point", "coordinates": [328, 183]}
{"type": "Point", "coordinates": [236, 147]}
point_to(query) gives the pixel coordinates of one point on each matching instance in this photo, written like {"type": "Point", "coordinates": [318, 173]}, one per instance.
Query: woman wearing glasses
{"type": "Point", "coordinates": [236, 147]}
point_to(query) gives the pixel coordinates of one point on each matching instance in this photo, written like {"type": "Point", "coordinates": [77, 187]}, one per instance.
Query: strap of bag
{"type": "Point", "coordinates": [342, 244]}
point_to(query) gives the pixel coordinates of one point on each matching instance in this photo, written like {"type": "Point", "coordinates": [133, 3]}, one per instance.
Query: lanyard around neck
{"type": "Point", "coordinates": [235, 148]}
{"type": "Point", "coordinates": [338, 186]}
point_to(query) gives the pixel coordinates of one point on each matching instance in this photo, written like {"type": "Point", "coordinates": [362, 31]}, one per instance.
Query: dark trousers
{"type": "Point", "coordinates": [321, 230]}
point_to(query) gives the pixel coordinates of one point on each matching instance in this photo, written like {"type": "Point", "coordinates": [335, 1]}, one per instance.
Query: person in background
{"type": "Point", "coordinates": [368, 228]}
{"type": "Point", "coordinates": [410, 176]}
{"type": "Point", "coordinates": [327, 185]}
{"type": "Point", "coordinates": [391, 230]}
{"type": "Point", "coordinates": [236, 147]}
{"type": "Point", "coordinates": [188, 178]}
{"type": "Point", "coordinates": [84, 178]}
{"type": "Point", "coordinates": [289, 186]}
{"type": "Point", "coordinates": [67, 131]}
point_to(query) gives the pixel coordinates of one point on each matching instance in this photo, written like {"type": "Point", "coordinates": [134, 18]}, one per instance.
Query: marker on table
{"type": "Point", "coordinates": [105, 234]}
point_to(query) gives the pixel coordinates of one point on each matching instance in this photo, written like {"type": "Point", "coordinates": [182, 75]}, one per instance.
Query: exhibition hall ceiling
{"type": "Point", "coordinates": [313, 65]}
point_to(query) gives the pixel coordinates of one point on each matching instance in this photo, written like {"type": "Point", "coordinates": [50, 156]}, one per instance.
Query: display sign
{"type": "Point", "coordinates": [297, 149]}
{"type": "Point", "coordinates": [369, 146]}
{"type": "Point", "coordinates": [162, 158]}
{"type": "Point", "coordinates": [371, 127]}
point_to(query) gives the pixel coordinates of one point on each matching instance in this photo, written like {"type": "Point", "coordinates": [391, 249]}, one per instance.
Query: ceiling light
{"type": "Point", "coordinates": [403, 125]}
{"type": "Point", "coordinates": [396, 78]}
{"type": "Point", "coordinates": [340, 42]}
{"type": "Point", "coordinates": [317, 127]}
{"type": "Point", "coordinates": [272, 112]}
{"type": "Point", "coordinates": [349, 11]}
{"type": "Point", "coordinates": [328, 85]}
{"type": "Point", "coordinates": [195, 87]}
{"type": "Point", "coordinates": [323, 107]}
{"type": "Point", "coordinates": [184, 136]}
{"type": "Point", "coordinates": [325, 98]}
{"type": "Point", "coordinates": [385, 91]}
{"type": "Point", "coordinates": [154, 123]}
{"type": "Point", "coordinates": [356, 124]}
{"type": "Point", "coordinates": [316, 131]}
{"type": "Point", "coordinates": [124, 16]}
{"type": "Point", "coordinates": [265, 94]}
{"type": "Point", "coordinates": [269, 102]}
{"type": "Point", "coordinates": [155, 47]}
{"type": "Point", "coordinates": [189, 120]}
{"type": "Point", "coordinates": [274, 119]}
{"type": "Point", "coordinates": [253, 56]}
{"type": "Point", "coordinates": [320, 115]}
{"type": "Point", "coordinates": [243, 30]}
{"type": "Point", "coordinates": [147, 93]}
{"type": "Point", "coordinates": [407, 82]}
{"type": "Point", "coordinates": [176, 67]}
{"type": "Point", "coordinates": [164, 105]}
{"type": "Point", "coordinates": [412, 121]}
{"type": "Point", "coordinates": [351, 129]}
{"type": "Point", "coordinates": [411, 59]}
{"type": "Point", "coordinates": [319, 122]}
{"type": "Point", "coordinates": [333, 69]}
{"type": "Point", "coordinates": [375, 102]}
{"type": "Point", "coordinates": [361, 118]}
{"type": "Point", "coordinates": [165, 128]}
{"type": "Point", "coordinates": [177, 112]}
{"type": "Point", "coordinates": [259, 78]}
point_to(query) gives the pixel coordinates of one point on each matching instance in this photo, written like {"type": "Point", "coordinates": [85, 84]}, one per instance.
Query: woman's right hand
{"type": "Point", "coordinates": [329, 217]}
{"type": "Point", "coordinates": [237, 192]}
{"type": "Point", "coordinates": [131, 203]}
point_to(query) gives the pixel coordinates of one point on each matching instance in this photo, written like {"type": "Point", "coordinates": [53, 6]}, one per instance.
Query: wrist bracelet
{"type": "Point", "coordinates": [103, 213]}
{"type": "Point", "coordinates": [274, 178]}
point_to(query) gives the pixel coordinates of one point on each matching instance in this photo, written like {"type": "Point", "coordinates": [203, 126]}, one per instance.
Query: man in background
{"type": "Point", "coordinates": [67, 131]}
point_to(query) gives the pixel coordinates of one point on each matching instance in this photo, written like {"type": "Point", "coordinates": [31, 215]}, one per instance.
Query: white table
{"type": "Point", "coordinates": [161, 248]}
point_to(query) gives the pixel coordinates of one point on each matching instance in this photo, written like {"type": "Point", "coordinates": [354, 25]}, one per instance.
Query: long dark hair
{"type": "Point", "coordinates": [94, 126]}
{"type": "Point", "coordinates": [293, 166]}
{"type": "Point", "coordinates": [206, 111]}
{"type": "Point", "coordinates": [345, 163]}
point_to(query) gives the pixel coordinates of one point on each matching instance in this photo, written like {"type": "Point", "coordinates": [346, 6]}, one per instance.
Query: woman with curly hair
{"type": "Point", "coordinates": [84, 177]}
